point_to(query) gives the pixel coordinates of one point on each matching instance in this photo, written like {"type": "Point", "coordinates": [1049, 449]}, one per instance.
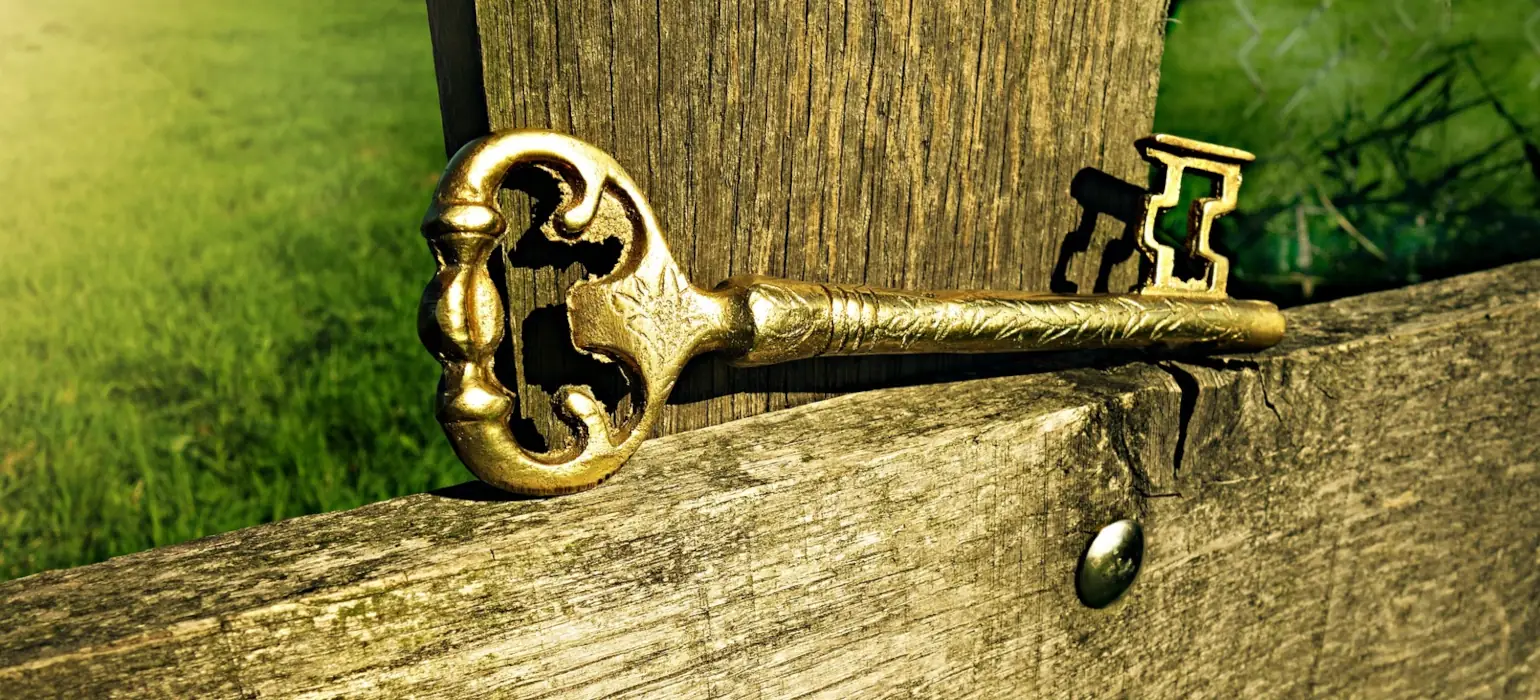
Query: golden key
{"type": "Point", "coordinates": [648, 317]}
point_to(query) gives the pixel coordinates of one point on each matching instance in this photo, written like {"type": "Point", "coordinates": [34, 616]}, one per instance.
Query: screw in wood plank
{"type": "Point", "coordinates": [1110, 564]}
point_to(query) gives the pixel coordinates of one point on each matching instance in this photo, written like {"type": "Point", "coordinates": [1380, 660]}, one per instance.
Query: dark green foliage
{"type": "Point", "coordinates": [1397, 141]}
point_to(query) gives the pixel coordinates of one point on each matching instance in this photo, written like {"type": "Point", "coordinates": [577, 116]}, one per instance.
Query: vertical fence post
{"type": "Point", "coordinates": [921, 144]}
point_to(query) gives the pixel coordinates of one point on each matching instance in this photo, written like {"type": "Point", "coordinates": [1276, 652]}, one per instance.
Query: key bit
{"type": "Point", "coordinates": [645, 315]}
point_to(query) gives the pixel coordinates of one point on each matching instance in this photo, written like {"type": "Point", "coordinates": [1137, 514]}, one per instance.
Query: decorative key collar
{"type": "Point", "coordinates": [647, 316]}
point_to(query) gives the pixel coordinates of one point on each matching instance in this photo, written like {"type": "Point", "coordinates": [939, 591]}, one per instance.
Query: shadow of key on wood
{"type": "Point", "coordinates": [1099, 193]}
{"type": "Point", "coordinates": [537, 356]}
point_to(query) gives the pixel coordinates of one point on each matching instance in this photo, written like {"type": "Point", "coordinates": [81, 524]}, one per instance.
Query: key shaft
{"type": "Point", "coordinates": [789, 320]}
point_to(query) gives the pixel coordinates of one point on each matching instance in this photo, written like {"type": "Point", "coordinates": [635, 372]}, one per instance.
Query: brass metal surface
{"type": "Point", "coordinates": [645, 315]}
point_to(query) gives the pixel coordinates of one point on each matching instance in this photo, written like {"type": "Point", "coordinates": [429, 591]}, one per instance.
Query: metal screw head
{"type": "Point", "coordinates": [1110, 563]}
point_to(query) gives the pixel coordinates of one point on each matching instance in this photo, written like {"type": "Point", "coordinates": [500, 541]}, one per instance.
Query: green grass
{"type": "Point", "coordinates": [209, 266]}
{"type": "Point", "coordinates": [209, 262]}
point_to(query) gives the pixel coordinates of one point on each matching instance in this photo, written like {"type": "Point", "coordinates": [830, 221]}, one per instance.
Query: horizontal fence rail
{"type": "Point", "coordinates": [1350, 512]}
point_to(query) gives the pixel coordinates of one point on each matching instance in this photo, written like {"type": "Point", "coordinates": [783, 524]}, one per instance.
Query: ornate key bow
{"type": "Point", "coordinates": [647, 316]}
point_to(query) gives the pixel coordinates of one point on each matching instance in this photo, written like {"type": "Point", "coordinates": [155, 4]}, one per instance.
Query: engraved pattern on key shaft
{"type": "Point", "coordinates": [794, 320]}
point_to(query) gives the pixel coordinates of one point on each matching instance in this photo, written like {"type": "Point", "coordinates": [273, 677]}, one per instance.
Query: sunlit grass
{"type": "Point", "coordinates": [208, 268]}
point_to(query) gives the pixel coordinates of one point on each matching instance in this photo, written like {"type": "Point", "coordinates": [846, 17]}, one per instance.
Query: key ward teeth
{"type": "Point", "coordinates": [1178, 156]}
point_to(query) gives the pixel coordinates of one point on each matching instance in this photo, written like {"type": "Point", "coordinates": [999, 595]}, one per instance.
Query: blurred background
{"type": "Point", "coordinates": [209, 260]}
{"type": "Point", "coordinates": [1396, 139]}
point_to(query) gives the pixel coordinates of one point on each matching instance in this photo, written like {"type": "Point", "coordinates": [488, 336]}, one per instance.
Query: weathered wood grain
{"type": "Point", "coordinates": [922, 145]}
{"type": "Point", "coordinates": [1349, 514]}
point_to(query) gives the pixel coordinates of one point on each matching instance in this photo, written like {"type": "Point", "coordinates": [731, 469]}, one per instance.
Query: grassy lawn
{"type": "Point", "coordinates": [209, 262]}
{"type": "Point", "coordinates": [209, 268]}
